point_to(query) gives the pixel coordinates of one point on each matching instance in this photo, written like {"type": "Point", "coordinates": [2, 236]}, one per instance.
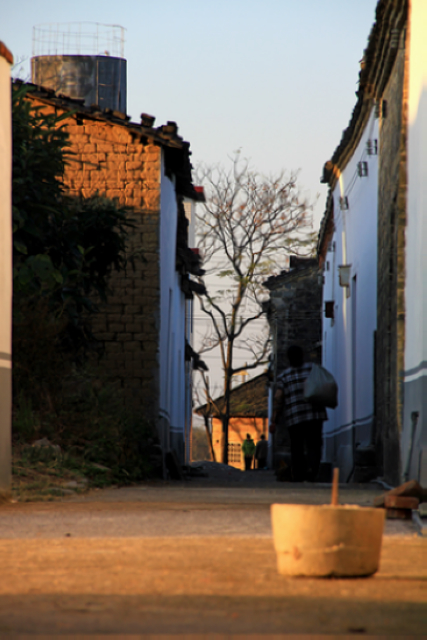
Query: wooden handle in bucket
{"type": "Point", "coordinates": [335, 490]}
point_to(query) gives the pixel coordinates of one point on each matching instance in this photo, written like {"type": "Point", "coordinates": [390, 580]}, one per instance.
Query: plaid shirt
{"type": "Point", "coordinates": [296, 409]}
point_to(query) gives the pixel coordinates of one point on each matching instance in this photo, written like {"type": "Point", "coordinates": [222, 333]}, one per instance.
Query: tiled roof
{"type": "Point", "coordinates": [248, 400]}
{"type": "Point", "coordinates": [177, 150]}
{"type": "Point", "coordinates": [5, 53]}
{"type": "Point", "coordinates": [297, 265]}
{"type": "Point", "coordinates": [376, 66]}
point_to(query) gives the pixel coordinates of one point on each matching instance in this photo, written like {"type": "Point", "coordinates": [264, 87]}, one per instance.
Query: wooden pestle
{"type": "Point", "coordinates": [335, 490]}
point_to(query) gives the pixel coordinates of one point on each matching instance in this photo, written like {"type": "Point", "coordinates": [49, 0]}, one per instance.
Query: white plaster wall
{"type": "Point", "coordinates": [414, 442]}
{"type": "Point", "coordinates": [348, 340]}
{"type": "Point", "coordinates": [190, 212]}
{"type": "Point", "coordinates": [5, 276]}
{"type": "Point", "coordinates": [172, 317]}
{"type": "Point", "coordinates": [5, 215]}
{"type": "Point", "coordinates": [416, 233]}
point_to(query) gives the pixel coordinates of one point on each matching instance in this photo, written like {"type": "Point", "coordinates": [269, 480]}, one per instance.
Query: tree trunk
{"type": "Point", "coordinates": [209, 437]}
{"type": "Point", "coordinates": [226, 416]}
{"type": "Point", "coordinates": [225, 421]}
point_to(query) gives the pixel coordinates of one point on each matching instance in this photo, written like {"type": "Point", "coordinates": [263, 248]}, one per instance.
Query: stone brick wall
{"type": "Point", "coordinates": [391, 270]}
{"type": "Point", "coordinates": [295, 312]}
{"type": "Point", "coordinates": [109, 159]}
{"type": "Point", "coordinates": [294, 315]}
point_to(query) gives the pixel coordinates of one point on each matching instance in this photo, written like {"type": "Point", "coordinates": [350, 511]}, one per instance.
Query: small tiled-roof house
{"type": "Point", "coordinates": [248, 414]}
{"type": "Point", "coordinates": [145, 324]}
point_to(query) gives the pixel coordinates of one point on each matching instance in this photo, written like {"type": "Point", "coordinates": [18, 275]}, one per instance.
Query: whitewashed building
{"type": "Point", "coordinates": [172, 324]}
{"type": "Point", "coordinates": [414, 428]}
{"type": "Point", "coordinates": [349, 300]}
{"type": "Point", "coordinates": [372, 248]}
{"type": "Point", "coordinates": [176, 318]}
{"type": "Point", "coordinates": [5, 270]}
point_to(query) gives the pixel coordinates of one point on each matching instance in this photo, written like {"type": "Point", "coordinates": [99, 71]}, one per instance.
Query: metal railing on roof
{"type": "Point", "coordinates": [78, 38]}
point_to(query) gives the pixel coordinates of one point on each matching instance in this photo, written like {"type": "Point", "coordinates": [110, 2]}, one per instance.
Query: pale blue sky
{"type": "Point", "coordinates": [276, 78]}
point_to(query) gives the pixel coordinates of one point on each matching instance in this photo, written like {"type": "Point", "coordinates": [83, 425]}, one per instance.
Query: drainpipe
{"type": "Point", "coordinates": [414, 420]}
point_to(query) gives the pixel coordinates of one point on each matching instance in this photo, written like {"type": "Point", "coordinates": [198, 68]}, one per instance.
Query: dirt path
{"type": "Point", "coordinates": [192, 558]}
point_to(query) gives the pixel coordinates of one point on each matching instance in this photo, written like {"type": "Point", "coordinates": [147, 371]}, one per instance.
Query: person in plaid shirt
{"type": "Point", "coordinates": [303, 419]}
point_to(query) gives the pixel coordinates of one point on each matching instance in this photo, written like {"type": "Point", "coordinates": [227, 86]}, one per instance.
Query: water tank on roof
{"type": "Point", "coordinates": [83, 61]}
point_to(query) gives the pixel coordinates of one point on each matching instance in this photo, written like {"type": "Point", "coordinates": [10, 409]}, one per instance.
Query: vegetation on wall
{"type": "Point", "coordinates": [64, 251]}
{"type": "Point", "coordinates": [64, 248]}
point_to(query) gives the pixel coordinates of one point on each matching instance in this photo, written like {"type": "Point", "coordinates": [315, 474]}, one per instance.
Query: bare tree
{"type": "Point", "coordinates": [247, 228]}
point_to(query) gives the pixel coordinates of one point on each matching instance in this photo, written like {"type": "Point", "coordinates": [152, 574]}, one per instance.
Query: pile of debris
{"type": "Point", "coordinates": [205, 469]}
{"type": "Point", "coordinates": [407, 501]}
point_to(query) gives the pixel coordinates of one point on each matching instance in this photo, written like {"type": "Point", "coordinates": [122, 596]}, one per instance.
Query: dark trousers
{"type": "Point", "coordinates": [306, 450]}
{"type": "Point", "coordinates": [248, 462]}
{"type": "Point", "coordinates": [262, 463]}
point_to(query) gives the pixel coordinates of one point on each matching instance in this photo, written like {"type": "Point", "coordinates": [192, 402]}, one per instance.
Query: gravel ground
{"type": "Point", "coordinates": [223, 502]}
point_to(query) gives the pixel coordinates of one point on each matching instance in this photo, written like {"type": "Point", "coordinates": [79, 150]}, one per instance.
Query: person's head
{"type": "Point", "coordinates": [295, 356]}
{"type": "Point", "coordinates": [262, 436]}
{"type": "Point", "coordinates": [248, 436]}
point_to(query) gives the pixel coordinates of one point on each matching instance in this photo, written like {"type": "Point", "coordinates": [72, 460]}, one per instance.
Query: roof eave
{"type": "Point", "coordinates": [379, 58]}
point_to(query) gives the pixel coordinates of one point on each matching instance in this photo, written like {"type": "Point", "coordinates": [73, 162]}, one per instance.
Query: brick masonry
{"type": "Point", "coordinates": [107, 158]}
{"type": "Point", "coordinates": [392, 183]}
